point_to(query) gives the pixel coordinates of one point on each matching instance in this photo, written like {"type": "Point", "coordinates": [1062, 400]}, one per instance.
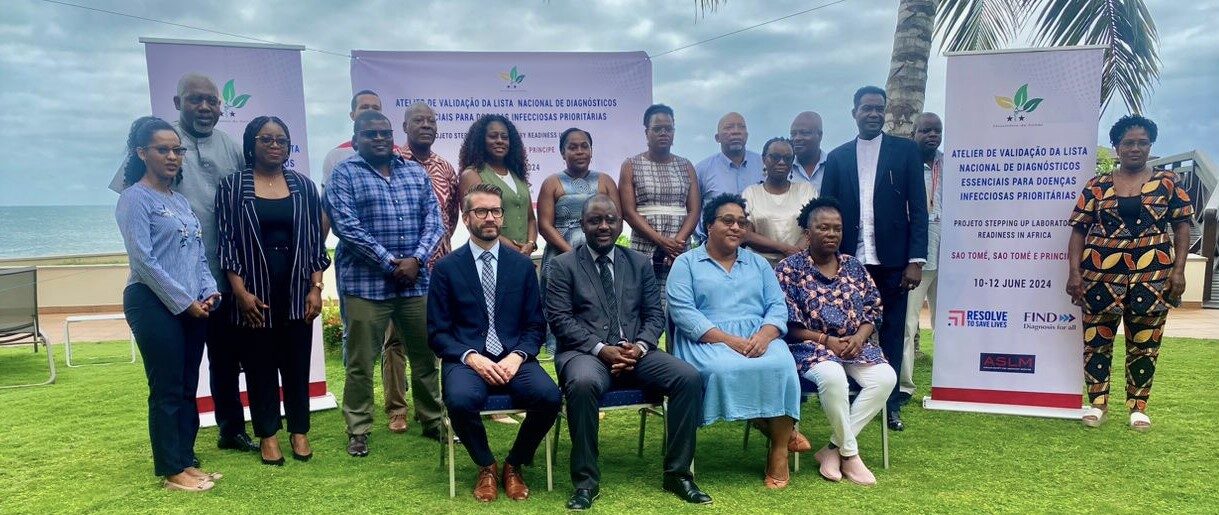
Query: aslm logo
{"type": "Point", "coordinates": [233, 101]}
{"type": "Point", "coordinates": [1010, 363]}
{"type": "Point", "coordinates": [512, 78]}
{"type": "Point", "coordinates": [984, 318]}
{"type": "Point", "coordinates": [1019, 104]}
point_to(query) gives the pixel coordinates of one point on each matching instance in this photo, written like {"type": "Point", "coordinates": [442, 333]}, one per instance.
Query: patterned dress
{"type": "Point", "coordinates": [660, 197]}
{"type": "Point", "coordinates": [568, 210]}
{"type": "Point", "coordinates": [836, 305]}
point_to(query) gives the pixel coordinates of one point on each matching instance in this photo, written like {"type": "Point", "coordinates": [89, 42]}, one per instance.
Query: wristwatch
{"type": "Point", "coordinates": [319, 285]}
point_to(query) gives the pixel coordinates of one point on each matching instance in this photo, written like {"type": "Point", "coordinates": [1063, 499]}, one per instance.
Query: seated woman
{"type": "Point", "coordinates": [833, 306]}
{"type": "Point", "coordinates": [730, 317]}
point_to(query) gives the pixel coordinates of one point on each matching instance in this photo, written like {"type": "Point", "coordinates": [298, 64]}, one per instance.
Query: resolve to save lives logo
{"type": "Point", "coordinates": [233, 101]}
{"type": "Point", "coordinates": [984, 318]}
{"type": "Point", "coordinates": [512, 78]}
{"type": "Point", "coordinates": [1019, 104]}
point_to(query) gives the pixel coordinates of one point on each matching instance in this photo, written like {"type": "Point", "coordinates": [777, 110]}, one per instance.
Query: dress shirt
{"type": "Point", "coordinates": [379, 219]}
{"type": "Point", "coordinates": [934, 180]}
{"type": "Point", "coordinates": [718, 175]}
{"type": "Point", "coordinates": [478, 252]}
{"type": "Point", "coordinates": [867, 155]}
{"type": "Point", "coordinates": [444, 184]}
{"type": "Point", "coordinates": [799, 174]}
{"type": "Point", "coordinates": [639, 344]}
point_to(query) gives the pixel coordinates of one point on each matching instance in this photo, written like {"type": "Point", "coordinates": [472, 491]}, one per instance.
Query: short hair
{"type": "Point", "coordinates": [192, 77]}
{"type": "Point", "coordinates": [365, 117]}
{"type": "Point", "coordinates": [473, 153]}
{"type": "Point", "coordinates": [817, 204]}
{"type": "Point", "coordinates": [140, 136]}
{"type": "Point", "coordinates": [566, 133]}
{"type": "Point", "coordinates": [481, 188]}
{"type": "Point", "coordinates": [251, 132]}
{"type": "Point", "coordinates": [362, 93]}
{"type": "Point", "coordinates": [597, 199]}
{"type": "Point", "coordinates": [1130, 121]}
{"type": "Point", "coordinates": [869, 90]}
{"type": "Point", "coordinates": [716, 203]}
{"type": "Point", "coordinates": [769, 142]}
{"type": "Point", "coordinates": [656, 109]}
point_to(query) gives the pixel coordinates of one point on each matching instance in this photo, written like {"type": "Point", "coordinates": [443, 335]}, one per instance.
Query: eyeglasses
{"type": "Point", "coordinates": [377, 134]}
{"type": "Point", "coordinates": [786, 158]}
{"type": "Point", "coordinates": [662, 129]}
{"type": "Point", "coordinates": [201, 99]}
{"type": "Point", "coordinates": [482, 212]}
{"type": "Point", "coordinates": [730, 221]}
{"type": "Point", "coordinates": [596, 221]}
{"type": "Point", "coordinates": [272, 141]}
{"type": "Point", "coordinates": [165, 150]}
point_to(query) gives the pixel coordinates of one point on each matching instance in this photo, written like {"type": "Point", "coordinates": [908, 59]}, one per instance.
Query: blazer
{"type": "Point", "coordinates": [240, 239]}
{"type": "Point", "coordinates": [457, 314]}
{"type": "Point", "coordinates": [576, 303]}
{"type": "Point", "coordinates": [899, 201]}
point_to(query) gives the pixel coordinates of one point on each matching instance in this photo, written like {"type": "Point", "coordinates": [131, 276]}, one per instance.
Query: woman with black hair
{"type": "Point", "coordinates": [168, 297]}
{"type": "Point", "coordinates": [774, 202]}
{"type": "Point", "coordinates": [1127, 254]}
{"type": "Point", "coordinates": [493, 153]}
{"type": "Point", "coordinates": [273, 252]}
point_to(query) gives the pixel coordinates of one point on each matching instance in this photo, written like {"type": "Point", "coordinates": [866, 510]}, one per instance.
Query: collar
{"type": "Point", "coordinates": [478, 251]}
{"type": "Point", "coordinates": [939, 159]}
{"type": "Point", "coordinates": [595, 255]}
{"type": "Point", "coordinates": [700, 253]}
{"type": "Point", "coordinates": [405, 152]}
{"type": "Point", "coordinates": [870, 142]}
{"type": "Point", "coordinates": [820, 162]}
{"type": "Point", "coordinates": [726, 161]}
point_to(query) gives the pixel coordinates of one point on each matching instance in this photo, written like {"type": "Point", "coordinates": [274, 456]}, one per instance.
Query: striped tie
{"type": "Point", "coordinates": [494, 347]}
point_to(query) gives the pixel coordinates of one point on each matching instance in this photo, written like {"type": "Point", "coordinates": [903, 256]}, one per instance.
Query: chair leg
{"type": "Point", "coordinates": [748, 425]}
{"type": "Point", "coordinates": [550, 468]}
{"type": "Point", "coordinates": [448, 433]}
{"type": "Point", "coordinates": [796, 455]}
{"type": "Point", "coordinates": [643, 427]}
{"type": "Point", "coordinates": [884, 437]}
{"type": "Point", "coordinates": [558, 433]}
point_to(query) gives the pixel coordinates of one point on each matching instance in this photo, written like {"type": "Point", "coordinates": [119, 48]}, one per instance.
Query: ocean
{"type": "Point", "coordinates": [32, 231]}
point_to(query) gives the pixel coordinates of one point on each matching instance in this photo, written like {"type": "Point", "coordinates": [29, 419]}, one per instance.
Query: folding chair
{"type": "Point", "coordinates": [497, 404]}
{"type": "Point", "coordinates": [77, 319]}
{"type": "Point", "coordinates": [19, 315]}
{"type": "Point", "coordinates": [624, 399]}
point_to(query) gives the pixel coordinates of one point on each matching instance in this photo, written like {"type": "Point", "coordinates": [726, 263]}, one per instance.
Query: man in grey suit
{"type": "Point", "coordinates": [603, 306]}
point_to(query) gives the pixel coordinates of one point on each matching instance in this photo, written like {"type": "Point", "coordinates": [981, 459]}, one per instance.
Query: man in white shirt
{"type": "Point", "coordinates": [928, 131]}
{"type": "Point", "coordinates": [365, 100]}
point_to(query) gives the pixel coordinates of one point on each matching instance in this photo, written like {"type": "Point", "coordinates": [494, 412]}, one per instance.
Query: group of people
{"type": "Point", "coordinates": [768, 275]}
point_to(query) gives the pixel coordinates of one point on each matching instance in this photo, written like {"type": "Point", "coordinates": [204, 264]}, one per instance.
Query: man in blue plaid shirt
{"type": "Point", "coordinates": [388, 222]}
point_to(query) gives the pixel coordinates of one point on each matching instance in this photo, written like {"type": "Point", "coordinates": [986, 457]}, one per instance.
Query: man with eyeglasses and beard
{"type": "Point", "coordinates": [210, 156]}
{"type": "Point", "coordinates": [388, 221]}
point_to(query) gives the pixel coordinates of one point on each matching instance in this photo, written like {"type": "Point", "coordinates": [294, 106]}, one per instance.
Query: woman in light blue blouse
{"type": "Point", "coordinates": [730, 317]}
{"type": "Point", "coordinates": [168, 296]}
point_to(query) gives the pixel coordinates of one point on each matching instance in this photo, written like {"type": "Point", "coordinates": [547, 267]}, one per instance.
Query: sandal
{"type": "Point", "coordinates": [1139, 421]}
{"type": "Point", "coordinates": [774, 483]}
{"type": "Point", "coordinates": [202, 486]}
{"type": "Point", "coordinates": [1094, 417]}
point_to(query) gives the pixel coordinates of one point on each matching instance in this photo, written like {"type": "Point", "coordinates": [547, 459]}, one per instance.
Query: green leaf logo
{"type": "Point", "coordinates": [1005, 102]}
{"type": "Point", "coordinates": [1019, 103]}
{"type": "Point", "coordinates": [1031, 105]}
{"type": "Point", "coordinates": [1022, 95]}
{"type": "Point", "coordinates": [240, 101]}
{"type": "Point", "coordinates": [230, 91]}
{"type": "Point", "coordinates": [513, 77]}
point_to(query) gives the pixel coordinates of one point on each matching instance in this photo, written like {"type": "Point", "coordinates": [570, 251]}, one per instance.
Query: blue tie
{"type": "Point", "coordinates": [494, 347]}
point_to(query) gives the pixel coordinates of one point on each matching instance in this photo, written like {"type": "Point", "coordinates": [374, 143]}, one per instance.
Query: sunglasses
{"type": "Point", "coordinates": [377, 134]}
{"type": "Point", "coordinates": [271, 141]}
{"type": "Point", "coordinates": [730, 221]}
{"type": "Point", "coordinates": [165, 150]}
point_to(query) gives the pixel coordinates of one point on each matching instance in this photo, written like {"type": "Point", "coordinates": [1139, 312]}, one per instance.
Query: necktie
{"type": "Point", "coordinates": [607, 284]}
{"type": "Point", "coordinates": [494, 347]}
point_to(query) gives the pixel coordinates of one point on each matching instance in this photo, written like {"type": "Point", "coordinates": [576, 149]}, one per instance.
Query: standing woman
{"type": "Point", "coordinates": [168, 296]}
{"type": "Point", "coordinates": [1127, 257]}
{"type": "Point", "coordinates": [658, 193]}
{"type": "Point", "coordinates": [493, 153]}
{"type": "Point", "coordinates": [272, 250]}
{"type": "Point", "coordinates": [774, 203]}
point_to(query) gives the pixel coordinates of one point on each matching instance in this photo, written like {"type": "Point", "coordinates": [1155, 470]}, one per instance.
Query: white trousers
{"type": "Point", "coordinates": [914, 304]}
{"type": "Point", "coordinates": [847, 419]}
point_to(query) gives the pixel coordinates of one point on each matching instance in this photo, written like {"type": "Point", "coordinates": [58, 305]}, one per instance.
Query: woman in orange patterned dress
{"type": "Point", "coordinates": [1127, 257]}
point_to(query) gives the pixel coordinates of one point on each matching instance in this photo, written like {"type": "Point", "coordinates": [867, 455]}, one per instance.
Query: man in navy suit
{"type": "Point", "coordinates": [485, 322]}
{"type": "Point", "coordinates": [878, 181]}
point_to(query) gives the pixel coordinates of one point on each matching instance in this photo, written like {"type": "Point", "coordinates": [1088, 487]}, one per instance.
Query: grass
{"type": "Point", "coordinates": [81, 446]}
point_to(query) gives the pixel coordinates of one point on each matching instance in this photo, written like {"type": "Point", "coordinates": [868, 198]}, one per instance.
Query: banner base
{"type": "Point", "coordinates": [324, 402]}
{"type": "Point", "coordinates": [1003, 409]}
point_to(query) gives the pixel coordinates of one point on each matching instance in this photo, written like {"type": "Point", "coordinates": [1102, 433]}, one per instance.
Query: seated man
{"type": "Point", "coordinates": [485, 322]}
{"type": "Point", "coordinates": [603, 305]}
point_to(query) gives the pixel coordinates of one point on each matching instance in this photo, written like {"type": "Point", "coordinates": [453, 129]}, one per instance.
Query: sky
{"type": "Point", "coordinates": [72, 80]}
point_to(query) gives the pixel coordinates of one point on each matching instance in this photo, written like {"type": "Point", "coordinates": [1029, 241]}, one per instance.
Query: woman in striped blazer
{"type": "Point", "coordinates": [273, 251]}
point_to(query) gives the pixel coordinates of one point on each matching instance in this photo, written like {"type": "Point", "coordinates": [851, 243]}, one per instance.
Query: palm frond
{"type": "Point", "coordinates": [978, 24]}
{"type": "Point", "coordinates": [1125, 27]}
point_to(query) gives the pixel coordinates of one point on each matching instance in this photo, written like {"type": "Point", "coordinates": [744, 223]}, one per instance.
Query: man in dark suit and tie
{"type": "Point", "coordinates": [485, 322]}
{"type": "Point", "coordinates": [603, 306]}
{"type": "Point", "coordinates": [878, 181]}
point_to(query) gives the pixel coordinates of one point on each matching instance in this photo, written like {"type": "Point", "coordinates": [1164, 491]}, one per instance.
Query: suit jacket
{"type": "Point", "coordinates": [576, 306]}
{"type": "Point", "coordinates": [457, 314]}
{"type": "Point", "coordinates": [899, 201]}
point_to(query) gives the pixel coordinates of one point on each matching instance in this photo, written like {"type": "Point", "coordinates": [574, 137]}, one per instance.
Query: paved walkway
{"type": "Point", "coordinates": [1182, 323]}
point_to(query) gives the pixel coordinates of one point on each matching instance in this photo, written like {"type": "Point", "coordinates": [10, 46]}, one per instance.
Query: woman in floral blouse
{"type": "Point", "coordinates": [833, 306]}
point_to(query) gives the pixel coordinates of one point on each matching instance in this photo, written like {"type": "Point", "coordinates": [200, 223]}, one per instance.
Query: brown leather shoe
{"type": "Point", "coordinates": [486, 487]}
{"type": "Point", "coordinates": [397, 423]}
{"type": "Point", "coordinates": [514, 484]}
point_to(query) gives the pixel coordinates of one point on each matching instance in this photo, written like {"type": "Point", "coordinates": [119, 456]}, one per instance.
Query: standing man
{"type": "Point", "coordinates": [806, 144]}
{"type": "Point", "coordinates": [485, 321]}
{"type": "Point", "coordinates": [928, 130]}
{"type": "Point", "coordinates": [210, 156]}
{"type": "Point", "coordinates": [388, 222]}
{"type": "Point", "coordinates": [878, 180]}
{"type": "Point", "coordinates": [365, 100]}
{"type": "Point", "coordinates": [732, 169]}
{"type": "Point", "coordinates": [603, 305]}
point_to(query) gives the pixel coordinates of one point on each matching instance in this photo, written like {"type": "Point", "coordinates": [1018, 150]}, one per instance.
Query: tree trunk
{"type": "Point", "coordinates": [907, 86]}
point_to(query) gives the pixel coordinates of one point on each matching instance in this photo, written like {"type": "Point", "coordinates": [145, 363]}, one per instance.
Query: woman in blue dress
{"type": "Point", "coordinates": [730, 317]}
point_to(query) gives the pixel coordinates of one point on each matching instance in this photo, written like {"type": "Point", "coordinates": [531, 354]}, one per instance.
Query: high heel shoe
{"type": "Point", "coordinates": [279, 462]}
{"type": "Point", "coordinates": [296, 456]}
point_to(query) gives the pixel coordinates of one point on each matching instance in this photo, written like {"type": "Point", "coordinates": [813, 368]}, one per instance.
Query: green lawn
{"type": "Point", "coordinates": [81, 445]}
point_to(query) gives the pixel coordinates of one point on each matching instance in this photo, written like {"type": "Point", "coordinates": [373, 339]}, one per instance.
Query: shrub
{"type": "Point", "coordinates": [332, 325]}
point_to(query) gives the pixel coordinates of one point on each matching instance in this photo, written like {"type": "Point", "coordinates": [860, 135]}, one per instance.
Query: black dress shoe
{"type": "Point", "coordinates": [357, 445]}
{"type": "Point", "coordinates": [583, 499]}
{"type": "Point", "coordinates": [239, 442]}
{"type": "Point", "coordinates": [275, 463]}
{"type": "Point", "coordinates": [895, 421]}
{"type": "Point", "coordinates": [684, 488]}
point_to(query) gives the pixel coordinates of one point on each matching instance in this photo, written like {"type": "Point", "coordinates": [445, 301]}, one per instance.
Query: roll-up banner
{"type": "Point", "coordinates": [254, 80]}
{"type": "Point", "coordinates": [1021, 134]}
